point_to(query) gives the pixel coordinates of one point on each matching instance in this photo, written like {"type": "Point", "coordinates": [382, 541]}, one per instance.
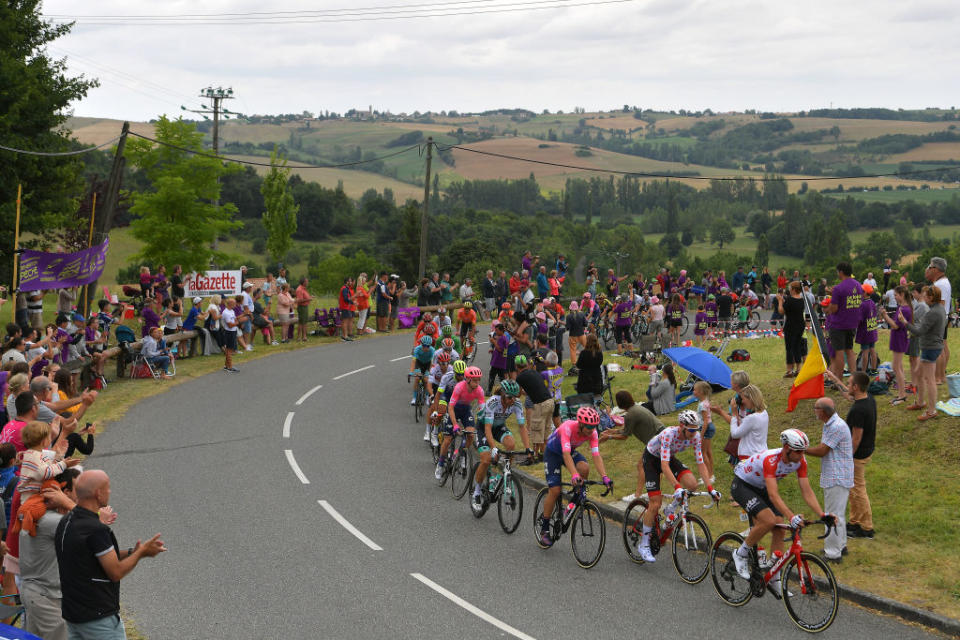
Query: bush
{"type": "Point", "coordinates": [131, 273]}
{"type": "Point", "coordinates": [259, 246]}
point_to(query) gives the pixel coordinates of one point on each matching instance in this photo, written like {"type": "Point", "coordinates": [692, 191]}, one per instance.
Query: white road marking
{"type": "Point", "coordinates": [484, 342]}
{"type": "Point", "coordinates": [308, 394]}
{"type": "Point", "coordinates": [349, 527]}
{"type": "Point", "coordinates": [296, 468]}
{"type": "Point", "coordinates": [286, 424]}
{"type": "Point", "coordinates": [503, 626]}
{"type": "Point", "coordinates": [401, 358]}
{"type": "Point", "coordinates": [350, 373]}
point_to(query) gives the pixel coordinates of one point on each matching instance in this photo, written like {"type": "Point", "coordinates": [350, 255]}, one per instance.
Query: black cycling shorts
{"type": "Point", "coordinates": [652, 471]}
{"type": "Point", "coordinates": [752, 499]}
{"type": "Point", "coordinates": [498, 431]}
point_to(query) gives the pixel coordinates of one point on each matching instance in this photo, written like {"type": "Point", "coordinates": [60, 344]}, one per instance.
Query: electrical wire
{"type": "Point", "coordinates": [645, 174]}
{"type": "Point", "coordinates": [61, 153]}
{"type": "Point", "coordinates": [267, 164]}
{"type": "Point", "coordinates": [368, 17]}
{"type": "Point", "coordinates": [271, 13]}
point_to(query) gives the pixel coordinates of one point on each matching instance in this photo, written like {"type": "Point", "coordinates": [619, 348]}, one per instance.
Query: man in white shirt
{"type": "Point", "coordinates": [247, 326]}
{"type": "Point", "coordinates": [870, 281]}
{"type": "Point", "coordinates": [466, 290]}
{"type": "Point", "coordinates": [936, 273]}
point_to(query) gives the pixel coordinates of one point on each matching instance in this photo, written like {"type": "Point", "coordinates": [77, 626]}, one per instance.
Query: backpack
{"type": "Point", "coordinates": [739, 355]}
{"type": "Point", "coordinates": [878, 388]}
{"type": "Point", "coordinates": [125, 334]}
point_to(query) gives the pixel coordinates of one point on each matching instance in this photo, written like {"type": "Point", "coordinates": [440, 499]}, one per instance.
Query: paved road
{"type": "Point", "coordinates": [254, 554]}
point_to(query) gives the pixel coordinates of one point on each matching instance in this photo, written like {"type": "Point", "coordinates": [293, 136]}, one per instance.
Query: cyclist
{"type": "Point", "coordinates": [446, 346]}
{"type": "Point", "coordinates": [422, 358]}
{"type": "Point", "coordinates": [755, 490]}
{"type": "Point", "coordinates": [429, 330]}
{"type": "Point", "coordinates": [439, 369]}
{"type": "Point", "coordinates": [459, 411]}
{"type": "Point", "coordinates": [466, 321]}
{"type": "Point", "coordinates": [560, 452]}
{"type": "Point", "coordinates": [447, 332]}
{"type": "Point", "coordinates": [438, 409]}
{"type": "Point", "coordinates": [496, 410]}
{"type": "Point", "coordinates": [660, 458]}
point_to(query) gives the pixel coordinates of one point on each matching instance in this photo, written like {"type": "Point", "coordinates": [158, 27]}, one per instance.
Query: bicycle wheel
{"type": "Point", "coordinates": [685, 325]}
{"type": "Point", "coordinates": [460, 473]}
{"type": "Point", "coordinates": [435, 450]}
{"type": "Point", "coordinates": [691, 549]}
{"type": "Point", "coordinates": [510, 506]}
{"type": "Point", "coordinates": [809, 592]}
{"type": "Point", "coordinates": [588, 535]}
{"type": "Point", "coordinates": [731, 588]}
{"type": "Point", "coordinates": [753, 321]}
{"type": "Point", "coordinates": [632, 529]}
{"type": "Point", "coordinates": [538, 514]}
{"type": "Point", "coordinates": [417, 406]}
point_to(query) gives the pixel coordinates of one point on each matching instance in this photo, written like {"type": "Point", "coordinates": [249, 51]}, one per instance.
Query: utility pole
{"type": "Point", "coordinates": [426, 211]}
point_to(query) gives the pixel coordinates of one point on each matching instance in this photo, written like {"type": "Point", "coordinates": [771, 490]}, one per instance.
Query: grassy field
{"type": "Point", "coordinates": [911, 481]}
{"type": "Point", "coordinates": [920, 195]}
{"type": "Point", "coordinates": [744, 245]}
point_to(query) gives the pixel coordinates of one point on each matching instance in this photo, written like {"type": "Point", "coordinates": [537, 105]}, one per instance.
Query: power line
{"type": "Point", "coordinates": [267, 164]}
{"type": "Point", "coordinates": [61, 153]}
{"type": "Point", "coordinates": [368, 17]}
{"type": "Point", "coordinates": [645, 174]}
{"type": "Point", "coordinates": [270, 13]}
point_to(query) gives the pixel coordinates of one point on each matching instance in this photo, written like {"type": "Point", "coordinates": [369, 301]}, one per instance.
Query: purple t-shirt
{"type": "Point", "coordinates": [899, 337]}
{"type": "Point", "coordinates": [622, 311]}
{"type": "Point", "coordinates": [150, 320]}
{"type": "Point", "coordinates": [498, 359]}
{"type": "Point", "coordinates": [700, 324]}
{"type": "Point", "coordinates": [710, 309]}
{"type": "Point", "coordinates": [526, 263]}
{"type": "Point", "coordinates": [867, 329]}
{"type": "Point", "coordinates": [848, 296]}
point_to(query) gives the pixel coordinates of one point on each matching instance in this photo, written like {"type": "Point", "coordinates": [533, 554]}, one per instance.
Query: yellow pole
{"type": "Point", "coordinates": [93, 214]}
{"type": "Point", "coordinates": [16, 256]}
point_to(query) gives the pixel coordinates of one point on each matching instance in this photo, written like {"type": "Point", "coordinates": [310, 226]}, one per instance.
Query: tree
{"type": "Point", "coordinates": [34, 104]}
{"type": "Point", "coordinates": [177, 219]}
{"type": "Point", "coordinates": [671, 244]}
{"type": "Point", "coordinates": [686, 238]}
{"type": "Point", "coordinates": [762, 257]}
{"type": "Point", "coordinates": [721, 232]}
{"type": "Point", "coordinates": [280, 211]}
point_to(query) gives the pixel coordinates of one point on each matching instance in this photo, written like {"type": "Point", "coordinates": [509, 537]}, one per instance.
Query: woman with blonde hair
{"type": "Point", "coordinates": [361, 296]}
{"type": "Point", "coordinates": [750, 423]}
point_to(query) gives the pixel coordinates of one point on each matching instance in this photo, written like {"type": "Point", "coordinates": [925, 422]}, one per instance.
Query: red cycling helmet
{"type": "Point", "coordinates": [443, 356]}
{"type": "Point", "coordinates": [447, 343]}
{"type": "Point", "coordinates": [474, 373]}
{"type": "Point", "coordinates": [588, 417]}
{"type": "Point", "coordinates": [429, 329]}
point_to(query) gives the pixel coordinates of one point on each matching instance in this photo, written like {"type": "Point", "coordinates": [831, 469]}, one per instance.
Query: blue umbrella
{"type": "Point", "coordinates": [702, 364]}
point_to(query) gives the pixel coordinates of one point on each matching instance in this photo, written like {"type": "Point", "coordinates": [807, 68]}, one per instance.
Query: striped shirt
{"type": "Point", "coordinates": [34, 469]}
{"type": "Point", "coordinates": [837, 466]}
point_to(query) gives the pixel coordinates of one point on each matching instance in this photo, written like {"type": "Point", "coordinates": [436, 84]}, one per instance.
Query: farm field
{"type": "Point", "coordinates": [929, 151]}
{"type": "Point", "coordinates": [920, 195]}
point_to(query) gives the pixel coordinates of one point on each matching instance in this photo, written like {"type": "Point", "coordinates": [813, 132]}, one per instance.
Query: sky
{"type": "Point", "coordinates": [728, 55]}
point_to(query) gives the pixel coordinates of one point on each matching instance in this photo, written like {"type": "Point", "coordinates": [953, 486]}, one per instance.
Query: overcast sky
{"type": "Point", "coordinates": [662, 54]}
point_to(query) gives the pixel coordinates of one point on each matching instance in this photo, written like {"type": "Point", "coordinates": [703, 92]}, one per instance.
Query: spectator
{"type": "Point", "coordinates": [739, 278]}
{"type": "Point", "coordinates": [48, 407]}
{"type": "Point", "coordinates": [836, 474]}
{"type": "Point", "coordinates": [662, 390]}
{"type": "Point", "coordinates": [229, 325]}
{"type": "Point", "coordinates": [362, 297]}
{"type": "Point", "coordinates": [160, 284]}
{"type": "Point", "coordinates": [212, 323]}
{"type": "Point", "coordinates": [589, 363]}
{"type": "Point", "coordinates": [66, 298]}
{"type": "Point", "coordinates": [404, 293]}
{"type": "Point", "coordinates": [66, 387]}
{"type": "Point", "coordinates": [576, 324]}
{"type": "Point", "coordinates": [35, 467]}
{"type": "Point", "coordinates": [246, 315]}
{"type": "Point", "coordinates": [929, 330]}
{"type": "Point", "coordinates": [304, 299]}
{"type": "Point", "coordinates": [899, 343]}
{"type": "Point", "coordinates": [154, 349]}
{"type": "Point", "coordinates": [150, 316]}
{"type": "Point", "coordinates": [35, 309]}
{"type": "Point", "coordinates": [176, 282]}
{"type": "Point", "coordinates": [936, 274]}
{"type": "Point", "coordinates": [8, 481]}
{"type": "Point", "coordinates": [285, 306]}
{"type": "Point", "coordinates": [539, 403]}
{"type": "Point", "coordinates": [91, 563]}
{"type": "Point", "coordinates": [434, 290]}
{"type": "Point", "coordinates": [489, 290]}
{"type": "Point", "coordinates": [466, 290]}
{"type": "Point", "coordinates": [639, 422]}
{"type": "Point", "coordinates": [270, 289]}
{"type": "Point", "coordinates": [748, 420]}
{"type": "Point", "coordinates": [281, 278]}
{"type": "Point", "coordinates": [888, 272]}
{"type": "Point", "coordinates": [346, 307]}
{"type": "Point", "coordinates": [792, 309]}
{"type": "Point", "coordinates": [26, 411]}
{"type": "Point", "coordinates": [543, 283]}
{"type": "Point", "coordinates": [844, 312]}
{"type": "Point", "coordinates": [261, 319]}
{"type": "Point", "coordinates": [384, 299]}
{"type": "Point", "coordinates": [146, 283]}
{"type": "Point", "coordinates": [920, 308]}
{"type": "Point", "coordinates": [870, 280]}
{"type": "Point", "coordinates": [502, 290]}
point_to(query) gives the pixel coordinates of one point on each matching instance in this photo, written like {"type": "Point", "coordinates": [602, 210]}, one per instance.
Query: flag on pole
{"type": "Point", "coordinates": [809, 381]}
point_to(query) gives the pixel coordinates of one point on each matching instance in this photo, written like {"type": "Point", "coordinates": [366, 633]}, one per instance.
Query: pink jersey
{"type": "Point", "coordinates": [670, 442]}
{"type": "Point", "coordinates": [463, 395]}
{"type": "Point", "coordinates": [768, 464]}
{"type": "Point", "coordinates": [567, 437]}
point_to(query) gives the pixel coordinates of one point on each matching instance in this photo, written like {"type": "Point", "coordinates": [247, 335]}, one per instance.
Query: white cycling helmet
{"type": "Point", "coordinates": [689, 418]}
{"type": "Point", "coordinates": [795, 439]}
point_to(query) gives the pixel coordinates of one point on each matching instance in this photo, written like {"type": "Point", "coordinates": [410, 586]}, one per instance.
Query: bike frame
{"type": "Point", "coordinates": [796, 550]}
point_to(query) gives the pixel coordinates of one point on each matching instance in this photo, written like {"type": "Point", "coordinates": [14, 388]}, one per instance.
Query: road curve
{"type": "Point", "coordinates": [327, 523]}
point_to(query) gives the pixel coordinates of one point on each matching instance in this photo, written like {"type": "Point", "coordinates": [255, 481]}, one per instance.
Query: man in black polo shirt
{"type": "Point", "coordinates": [724, 308]}
{"type": "Point", "coordinates": [539, 403]}
{"type": "Point", "coordinates": [92, 564]}
{"type": "Point", "coordinates": [862, 421]}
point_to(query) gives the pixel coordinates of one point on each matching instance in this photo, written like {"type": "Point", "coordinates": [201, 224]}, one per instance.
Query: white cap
{"type": "Point", "coordinates": [197, 299]}
{"type": "Point", "coordinates": [247, 285]}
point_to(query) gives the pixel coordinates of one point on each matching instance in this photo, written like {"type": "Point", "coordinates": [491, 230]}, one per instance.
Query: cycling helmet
{"type": "Point", "coordinates": [689, 419]}
{"type": "Point", "coordinates": [520, 360]}
{"type": "Point", "coordinates": [795, 439]}
{"type": "Point", "coordinates": [447, 330]}
{"type": "Point", "coordinates": [506, 305]}
{"type": "Point", "coordinates": [459, 367]}
{"type": "Point", "coordinates": [588, 417]}
{"type": "Point", "coordinates": [447, 343]}
{"type": "Point", "coordinates": [711, 297]}
{"type": "Point", "coordinates": [510, 388]}
{"type": "Point", "coordinates": [429, 329]}
{"type": "Point", "coordinates": [586, 296]}
{"type": "Point", "coordinates": [444, 357]}
{"type": "Point", "coordinates": [428, 317]}
{"type": "Point", "coordinates": [473, 373]}
{"type": "Point", "coordinates": [426, 341]}
{"type": "Point", "coordinates": [468, 305]}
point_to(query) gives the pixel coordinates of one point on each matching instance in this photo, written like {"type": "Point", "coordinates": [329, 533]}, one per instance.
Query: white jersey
{"type": "Point", "coordinates": [454, 356]}
{"type": "Point", "coordinates": [495, 413]}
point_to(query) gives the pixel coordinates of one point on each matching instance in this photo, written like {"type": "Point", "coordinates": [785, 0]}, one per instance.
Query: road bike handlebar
{"type": "Point", "coordinates": [589, 482]}
{"type": "Point", "coordinates": [828, 525]}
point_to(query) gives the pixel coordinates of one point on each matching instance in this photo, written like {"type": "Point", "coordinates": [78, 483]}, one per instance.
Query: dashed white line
{"type": "Point", "coordinates": [401, 358]}
{"type": "Point", "coordinates": [484, 342]}
{"type": "Point", "coordinates": [308, 394]}
{"type": "Point", "coordinates": [350, 373]}
{"type": "Point", "coordinates": [286, 424]}
{"type": "Point", "coordinates": [296, 468]}
{"type": "Point", "coordinates": [349, 527]}
{"type": "Point", "coordinates": [503, 626]}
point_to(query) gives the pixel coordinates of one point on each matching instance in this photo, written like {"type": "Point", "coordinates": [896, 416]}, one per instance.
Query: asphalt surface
{"type": "Point", "coordinates": [253, 554]}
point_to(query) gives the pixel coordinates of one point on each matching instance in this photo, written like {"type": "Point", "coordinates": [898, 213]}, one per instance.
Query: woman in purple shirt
{"type": "Point", "coordinates": [899, 339]}
{"type": "Point", "coordinates": [622, 324]}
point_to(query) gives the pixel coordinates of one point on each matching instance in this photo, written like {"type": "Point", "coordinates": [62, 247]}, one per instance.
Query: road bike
{"type": "Point", "coordinates": [575, 512]}
{"type": "Point", "coordinates": [420, 396]}
{"type": "Point", "coordinates": [469, 350]}
{"type": "Point", "coordinates": [808, 587]}
{"type": "Point", "coordinates": [689, 534]}
{"type": "Point", "coordinates": [459, 463]}
{"type": "Point", "coordinates": [501, 487]}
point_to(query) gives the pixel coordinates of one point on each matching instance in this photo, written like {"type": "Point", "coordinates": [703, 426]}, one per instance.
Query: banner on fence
{"type": "Point", "coordinates": [41, 270]}
{"type": "Point", "coordinates": [224, 283]}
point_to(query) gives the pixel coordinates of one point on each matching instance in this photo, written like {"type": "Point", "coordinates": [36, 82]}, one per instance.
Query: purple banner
{"type": "Point", "coordinates": [39, 270]}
